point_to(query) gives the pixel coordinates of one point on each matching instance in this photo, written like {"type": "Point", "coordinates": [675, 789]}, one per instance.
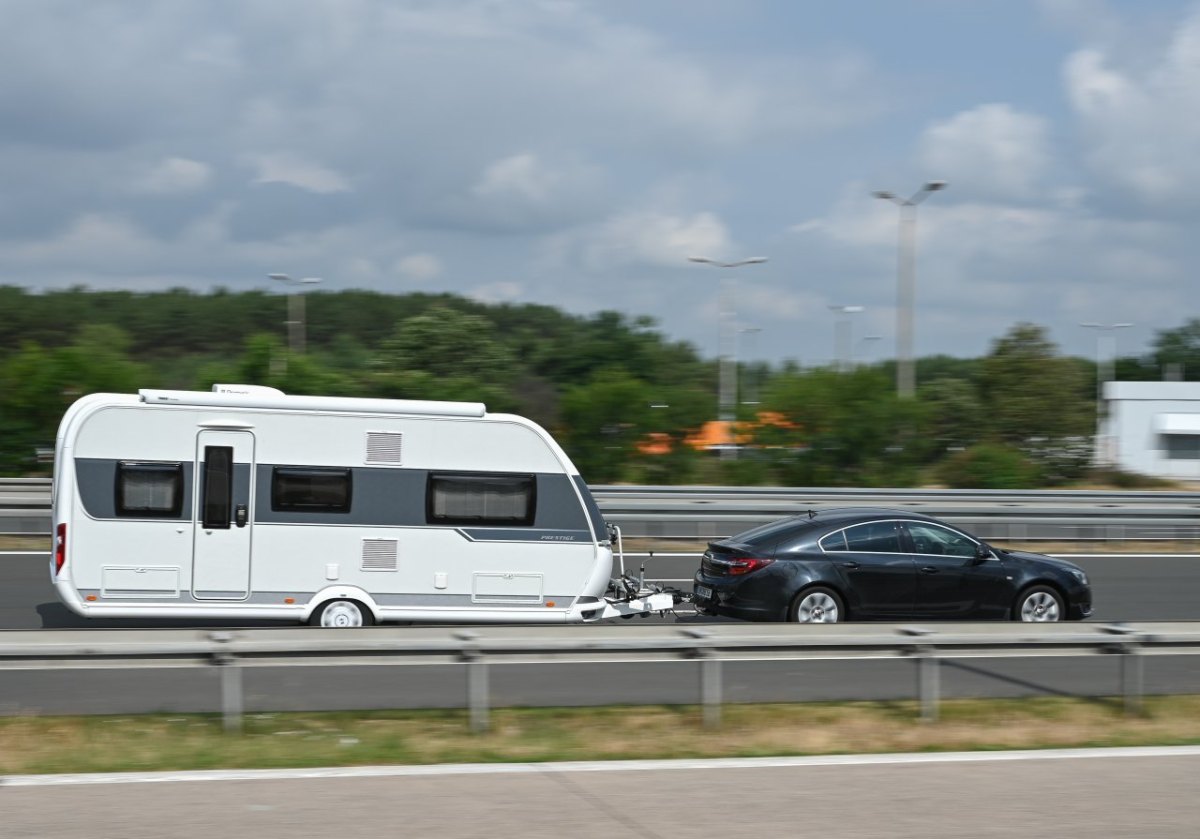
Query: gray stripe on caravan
{"type": "Point", "coordinates": [380, 497]}
{"type": "Point", "coordinates": [277, 598]}
{"type": "Point", "coordinates": [96, 480]}
{"type": "Point", "coordinates": [495, 534]}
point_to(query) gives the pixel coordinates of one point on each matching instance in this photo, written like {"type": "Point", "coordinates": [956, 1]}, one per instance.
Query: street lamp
{"type": "Point", "coordinates": [842, 348]}
{"type": "Point", "coordinates": [863, 343]}
{"type": "Point", "coordinates": [906, 379]}
{"type": "Point", "coordinates": [1104, 373]}
{"type": "Point", "coordinates": [726, 397]}
{"type": "Point", "coordinates": [295, 322]}
{"type": "Point", "coordinates": [743, 330]}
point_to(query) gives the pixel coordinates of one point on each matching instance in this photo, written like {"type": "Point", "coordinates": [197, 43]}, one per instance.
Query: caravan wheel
{"type": "Point", "coordinates": [341, 614]}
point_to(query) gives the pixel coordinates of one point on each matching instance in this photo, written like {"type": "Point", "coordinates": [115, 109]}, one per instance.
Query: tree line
{"type": "Point", "coordinates": [623, 399]}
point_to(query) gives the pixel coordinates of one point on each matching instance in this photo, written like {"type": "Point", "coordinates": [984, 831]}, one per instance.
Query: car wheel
{"type": "Point", "coordinates": [1039, 604]}
{"type": "Point", "coordinates": [817, 605]}
{"type": "Point", "coordinates": [341, 614]}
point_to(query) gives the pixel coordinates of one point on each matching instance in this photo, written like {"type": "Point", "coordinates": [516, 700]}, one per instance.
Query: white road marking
{"type": "Point", "coordinates": [593, 766]}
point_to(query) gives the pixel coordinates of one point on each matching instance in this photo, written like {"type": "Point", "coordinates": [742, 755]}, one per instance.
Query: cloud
{"type": "Point", "coordinates": [293, 169]}
{"type": "Point", "coordinates": [651, 237]}
{"type": "Point", "coordinates": [419, 267]}
{"type": "Point", "coordinates": [992, 149]}
{"type": "Point", "coordinates": [1140, 115]}
{"type": "Point", "coordinates": [174, 175]}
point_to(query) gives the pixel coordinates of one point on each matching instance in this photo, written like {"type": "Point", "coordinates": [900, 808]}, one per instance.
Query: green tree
{"type": "Point", "coordinates": [604, 421]}
{"type": "Point", "coordinates": [37, 385]}
{"type": "Point", "coordinates": [1038, 401]}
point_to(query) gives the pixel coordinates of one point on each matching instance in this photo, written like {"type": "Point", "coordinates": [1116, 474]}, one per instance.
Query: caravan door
{"type": "Point", "coordinates": [223, 515]}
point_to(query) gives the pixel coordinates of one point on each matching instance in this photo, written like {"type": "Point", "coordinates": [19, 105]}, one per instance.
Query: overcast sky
{"type": "Point", "coordinates": [575, 154]}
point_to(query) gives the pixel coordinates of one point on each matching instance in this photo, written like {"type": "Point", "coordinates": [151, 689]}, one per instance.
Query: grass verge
{"type": "Point", "coordinates": [37, 745]}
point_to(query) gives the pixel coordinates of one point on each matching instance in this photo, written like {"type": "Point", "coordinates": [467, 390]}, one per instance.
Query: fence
{"type": "Point", "coordinates": [710, 646]}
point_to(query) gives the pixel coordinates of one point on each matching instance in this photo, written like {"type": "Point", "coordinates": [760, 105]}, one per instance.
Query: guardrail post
{"type": "Point", "coordinates": [710, 678]}
{"type": "Point", "coordinates": [232, 705]}
{"type": "Point", "coordinates": [1132, 671]}
{"type": "Point", "coordinates": [929, 686]}
{"type": "Point", "coordinates": [477, 682]}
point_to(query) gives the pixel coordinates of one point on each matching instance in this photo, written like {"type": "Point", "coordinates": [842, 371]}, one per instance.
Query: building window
{"type": "Point", "coordinates": [1182, 446]}
{"type": "Point", "coordinates": [310, 489]}
{"type": "Point", "coordinates": [474, 498]}
{"type": "Point", "coordinates": [149, 490]}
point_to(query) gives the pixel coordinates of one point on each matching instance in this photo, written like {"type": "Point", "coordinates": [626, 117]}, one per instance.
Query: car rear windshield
{"type": "Point", "coordinates": [769, 534]}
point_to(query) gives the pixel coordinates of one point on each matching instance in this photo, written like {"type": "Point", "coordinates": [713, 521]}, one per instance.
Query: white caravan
{"type": "Point", "coordinates": [245, 503]}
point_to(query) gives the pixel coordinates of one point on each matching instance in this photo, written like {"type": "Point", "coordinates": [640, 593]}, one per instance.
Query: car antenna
{"type": "Point", "coordinates": [811, 514]}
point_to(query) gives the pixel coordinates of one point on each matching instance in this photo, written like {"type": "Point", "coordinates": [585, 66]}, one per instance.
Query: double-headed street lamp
{"type": "Point", "coordinates": [727, 394]}
{"type": "Point", "coordinates": [1104, 373]}
{"type": "Point", "coordinates": [906, 380]}
{"type": "Point", "coordinates": [295, 322]}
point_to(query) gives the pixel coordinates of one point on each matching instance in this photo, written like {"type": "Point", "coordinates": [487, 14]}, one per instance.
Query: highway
{"type": "Point", "coordinates": [1113, 793]}
{"type": "Point", "coordinates": [1128, 588]}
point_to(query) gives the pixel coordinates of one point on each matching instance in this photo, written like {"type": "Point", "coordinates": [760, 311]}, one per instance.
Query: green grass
{"type": "Point", "coordinates": [38, 745]}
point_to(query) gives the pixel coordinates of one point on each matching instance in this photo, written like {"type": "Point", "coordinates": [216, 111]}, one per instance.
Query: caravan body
{"type": "Point", "coordinates": [245, 503]}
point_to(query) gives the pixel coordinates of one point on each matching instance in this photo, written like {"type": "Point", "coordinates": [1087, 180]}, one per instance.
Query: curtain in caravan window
{"type": "Point", "coordinates": [149, 489]}
{"type": "Point", "coordinates": [481, 499]}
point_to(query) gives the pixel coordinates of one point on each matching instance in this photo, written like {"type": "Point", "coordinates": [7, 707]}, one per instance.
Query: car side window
{"type": "Point", "coordinates": [874, 537]}
{"type": "Point", "coordinates": [834, 541]}
{"type": "Point", "coordinates": [931, 539]}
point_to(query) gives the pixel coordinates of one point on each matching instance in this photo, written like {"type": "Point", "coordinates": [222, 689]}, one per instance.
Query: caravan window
{"type": "Point", "coordinates": [474, 498]}
{"type": "Point", "coordinates": [149, 490]}
{"type": "Point", "coordinates": [218, 487]}
{"type": "Point", "coordinates": [310, 489]}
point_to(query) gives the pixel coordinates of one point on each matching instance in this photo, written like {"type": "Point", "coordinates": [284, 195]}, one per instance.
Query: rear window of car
{"type": "Point", "coordinates": [766, 535]}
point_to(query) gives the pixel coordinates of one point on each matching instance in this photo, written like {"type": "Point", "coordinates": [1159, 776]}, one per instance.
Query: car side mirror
{"type": "Point", "coordinates": [982, 552]}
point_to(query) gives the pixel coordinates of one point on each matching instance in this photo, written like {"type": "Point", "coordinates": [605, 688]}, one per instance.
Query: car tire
{"type": "Point", "coordinates": [1039, 604]}
{"type": "Point", "coordinates": [341, 614]}
{"type": "Point", "coordinates": [817, 605]}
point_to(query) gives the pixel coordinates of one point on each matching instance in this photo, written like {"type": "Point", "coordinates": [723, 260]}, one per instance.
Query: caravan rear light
{"type": "Point", "coordinates": [60, 547]}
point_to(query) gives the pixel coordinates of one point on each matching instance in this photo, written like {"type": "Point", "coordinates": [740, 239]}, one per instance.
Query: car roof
{"type": "Point", "coordinates": [846, 515]}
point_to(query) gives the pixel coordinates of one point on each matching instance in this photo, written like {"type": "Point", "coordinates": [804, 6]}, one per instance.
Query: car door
{"type": "Point", "coordinates": [880, 577]}
{"type": "Point", "coordinates": [953, 582]}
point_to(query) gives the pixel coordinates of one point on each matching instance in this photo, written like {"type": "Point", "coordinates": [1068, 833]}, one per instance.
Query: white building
{"type": "Point", "coordinates": [1153, 428]}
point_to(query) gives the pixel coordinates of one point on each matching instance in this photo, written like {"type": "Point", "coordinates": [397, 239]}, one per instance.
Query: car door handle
{"type": "Point", "coordinates": [928, 569]}
{"type": "Point", "coordinates": [851, 565]}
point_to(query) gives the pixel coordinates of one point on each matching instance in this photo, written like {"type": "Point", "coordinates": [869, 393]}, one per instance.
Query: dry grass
{"type": "Point", "coordinates": [144, 743]}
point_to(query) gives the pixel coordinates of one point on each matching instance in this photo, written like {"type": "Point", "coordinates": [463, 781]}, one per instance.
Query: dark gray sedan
{"type": "Point", "coordinates": [866, 563]}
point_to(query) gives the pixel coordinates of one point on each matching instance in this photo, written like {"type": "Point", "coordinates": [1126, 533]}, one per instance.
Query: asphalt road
{"type": "Point", "coordinates": [1112, 794]}
{"type": "Point", "coordinates": [1127, 589]}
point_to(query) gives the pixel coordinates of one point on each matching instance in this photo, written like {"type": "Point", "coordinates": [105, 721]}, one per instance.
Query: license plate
{"type": "Point", "coordinates": [703, 591]}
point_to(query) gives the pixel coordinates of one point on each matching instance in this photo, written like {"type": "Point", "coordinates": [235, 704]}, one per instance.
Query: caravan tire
{"type": "Point", "coordinates": [341, 614]}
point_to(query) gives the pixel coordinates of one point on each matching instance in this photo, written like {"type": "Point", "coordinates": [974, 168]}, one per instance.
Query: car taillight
{"type": "Point", "coordinates": [60, 547]}
{"type": "Point", "coordinates": [746, 564]}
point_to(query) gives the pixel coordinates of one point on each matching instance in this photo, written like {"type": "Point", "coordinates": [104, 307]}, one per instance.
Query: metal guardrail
{"type": "Point", "coordinates": [703, 513]}
{"type": "Point", "coordinates": [709, 645]}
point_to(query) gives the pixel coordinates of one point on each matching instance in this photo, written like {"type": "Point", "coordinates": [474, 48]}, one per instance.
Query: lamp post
{"type": "Point", "coordinates": [1104, 373]}
{"type": "Point", "coordinates": [865, 342]}
{"type": "Point", "coordinates": [843, 351]}
{"type": "Point", "coordinates": [295, 322]}
{"type": "Point", "coordinates": [906, 282]}
{"type": "Point", "coordinates": [727, 391]}
{"type": "Point", "coordinates": [743, 330]}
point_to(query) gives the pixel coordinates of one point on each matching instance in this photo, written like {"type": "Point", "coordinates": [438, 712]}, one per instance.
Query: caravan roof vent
{"type": "Point", "coordinates": [383, 447]}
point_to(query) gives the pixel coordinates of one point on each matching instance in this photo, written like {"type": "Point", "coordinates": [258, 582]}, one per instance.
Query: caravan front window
{"type": "Point", "coordinates": [474, 498]}
{"type": "Point", "coordinates": [149, 490]}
